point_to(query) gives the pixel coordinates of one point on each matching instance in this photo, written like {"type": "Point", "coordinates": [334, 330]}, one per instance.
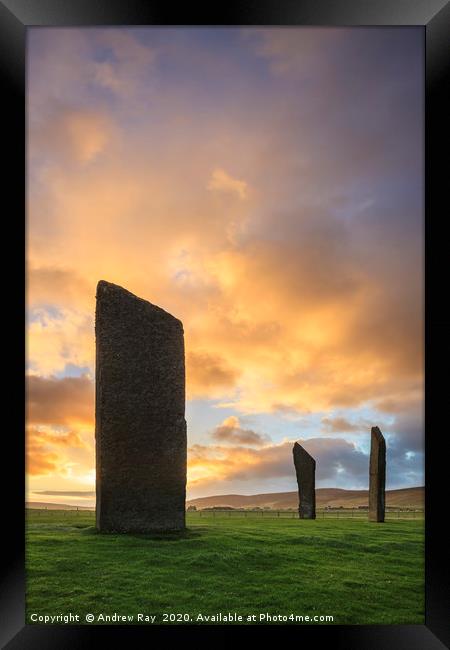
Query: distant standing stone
{"type": "Point", "coordinates": [140, 428]}
{"type": "Point", "coordinates": [377, 475]}
{"type": "Point", "coordinates": [305, 467]}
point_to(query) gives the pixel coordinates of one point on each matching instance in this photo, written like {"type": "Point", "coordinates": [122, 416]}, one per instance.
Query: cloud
{"type": "Point", "coordinates": [209, 374]}
{"type": "Point", "coordinates": [122, 71]}
{"type": "Point", "coordinates": [130, 65]}
{"type": "Point", "coordinates": [69, 493]}
{"type": "Point", "coordinates": [66, 439]}
{"type": "Point", "coordinates": [80, 135]}
{"type": "Point", "coordinates": [40, 462]}
{"type": "Point", "coordinates": [57, 286]}
{"type": "Point", "coordinates": [307, 296]}
{"type": "Point", "coordinates": [58, 336]}
{"type": "Point", "coordinates": [64, 402]}
{"type": "Point", "coordinates": [230, 431]}
{"type": "Point", "coordinates": [337, 460]}
{"type": "Point", "coordinates": [223, 182]}
{"type": "Point", "coordinates": [339, 463]}
{"type": "Point", "coordinates": [341, 424]}
{"type": "Point", "coordinates": [402, 402]}
{"type": "Point", "coordinates": [74, 137]}
{"type": "Point", "coordinates": [48, 450]}
{"type": "Point", "coordinates": [86, 133]}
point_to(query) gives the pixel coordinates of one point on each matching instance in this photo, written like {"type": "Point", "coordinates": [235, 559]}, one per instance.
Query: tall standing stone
{"type": "Point", "coordinates": [377, 475]}
{"type": "Point", "coordinates": [305, 467]}
{"type": "Point", "coordinates": [140, 428]}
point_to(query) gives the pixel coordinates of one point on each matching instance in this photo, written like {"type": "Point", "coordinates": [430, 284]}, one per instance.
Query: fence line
{"type": "Point", "coordinates": [346, 513]}
{"type": "Point", "coordinates": [322, 513]}
{"type": "Point", "coordinates": [293, 514]}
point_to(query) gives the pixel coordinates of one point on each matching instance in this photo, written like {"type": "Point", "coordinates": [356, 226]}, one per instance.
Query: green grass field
{"type": "Point", "coordinates": [356, 571]}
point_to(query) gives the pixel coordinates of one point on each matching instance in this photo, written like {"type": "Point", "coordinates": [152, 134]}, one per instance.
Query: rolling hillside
{"type": "Point", "coordinates": [331, 497]}
{"type": "Point", "coordinates": [334, 497]}
{"type": "Point", "coordinates": [41, 505]}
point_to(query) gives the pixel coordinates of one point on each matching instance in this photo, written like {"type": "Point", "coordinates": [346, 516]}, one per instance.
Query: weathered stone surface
{"type": "Point", "coordinates": [305, 467]}
{"type": "Point", "coordinates": [140, 428]}
{"type": "Point", "coordinates": [377, 475]}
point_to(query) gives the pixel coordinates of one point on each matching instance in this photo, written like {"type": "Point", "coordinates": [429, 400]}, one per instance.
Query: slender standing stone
{"type": "Point", "coordinates": [305, 467]}
{"type": "Point", "coordinates": [140, 428]}
{"type": "Point", "coordinates": [377, 475]}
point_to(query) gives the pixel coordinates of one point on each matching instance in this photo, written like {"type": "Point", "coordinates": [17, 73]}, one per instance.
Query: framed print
{"type": "Point", "coordinates": [234, 348]}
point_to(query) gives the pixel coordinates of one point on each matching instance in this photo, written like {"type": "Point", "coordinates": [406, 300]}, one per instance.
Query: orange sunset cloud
{"type": "Point", "coordinates": [274, 207]}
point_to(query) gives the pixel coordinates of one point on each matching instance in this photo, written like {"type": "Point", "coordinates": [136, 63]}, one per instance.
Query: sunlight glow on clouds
{"type": "Point", "coordinates": [265, 187]}
{"type": "Point", "coordinates": [222, 181]}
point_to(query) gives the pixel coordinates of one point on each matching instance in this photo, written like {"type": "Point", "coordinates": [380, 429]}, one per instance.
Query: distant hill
{"type": "Point", "coordinates": [40, 505]}
{"type": "Point", "coordinates": [331, 497]}
{"type": "Point", "coordinates": [334, 497]}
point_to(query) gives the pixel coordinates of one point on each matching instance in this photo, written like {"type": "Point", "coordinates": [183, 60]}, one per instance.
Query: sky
{"type": "Point", "coordinates": [263, 185]}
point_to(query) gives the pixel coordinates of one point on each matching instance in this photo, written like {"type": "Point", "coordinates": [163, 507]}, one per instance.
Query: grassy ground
{"type": "Point", "coordinates": [356, 571]}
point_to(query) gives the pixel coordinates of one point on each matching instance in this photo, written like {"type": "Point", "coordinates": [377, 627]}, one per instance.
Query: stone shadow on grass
{"type": "Point", "coordinates": [168, 536]}
{"type": "Point", "coordinates": [171, 535]}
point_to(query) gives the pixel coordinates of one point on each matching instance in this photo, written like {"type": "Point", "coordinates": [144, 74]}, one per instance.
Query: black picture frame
{"type": "Point", "coordinates": [434, 16]}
